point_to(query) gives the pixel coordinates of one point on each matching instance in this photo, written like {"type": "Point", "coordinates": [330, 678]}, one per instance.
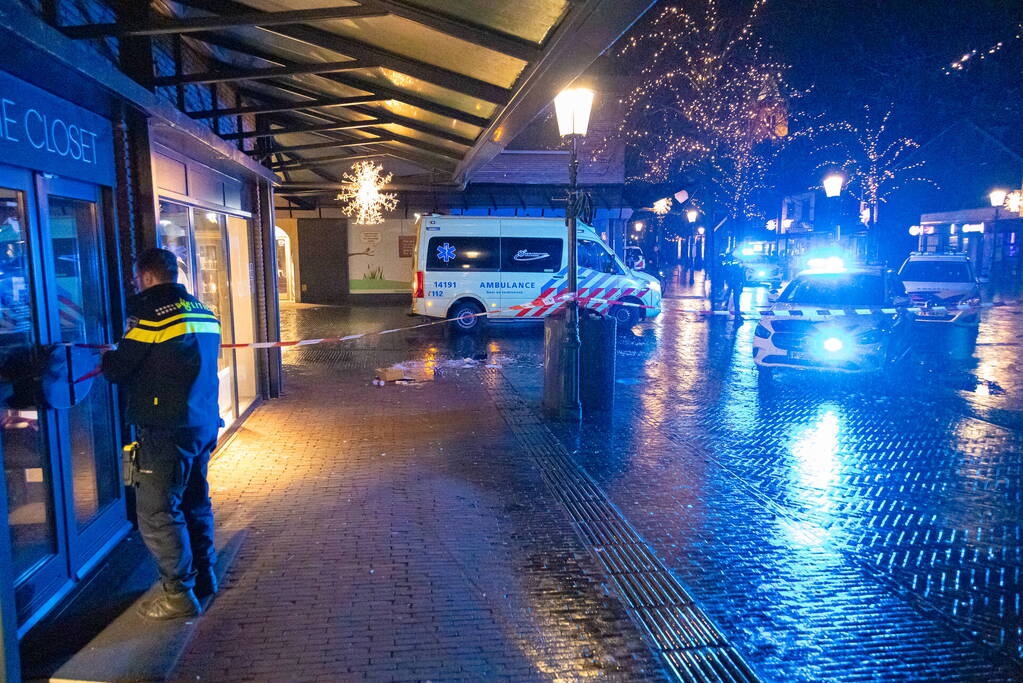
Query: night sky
{"type": "Point", "coordinates": [896, 52]}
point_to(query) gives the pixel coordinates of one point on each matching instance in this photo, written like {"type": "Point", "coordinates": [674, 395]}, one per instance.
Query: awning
{"type": "Point", "coordinates": [436, 87]}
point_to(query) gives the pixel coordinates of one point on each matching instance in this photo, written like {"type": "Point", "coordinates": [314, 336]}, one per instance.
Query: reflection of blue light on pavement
{"type": "Point", "coordinates": [817, 466]}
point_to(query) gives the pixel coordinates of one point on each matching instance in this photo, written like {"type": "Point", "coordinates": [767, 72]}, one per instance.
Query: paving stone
{"type": "Point", "coordinates": [840, 530]}
{"type": "Point", "coordinates": [398, 533]}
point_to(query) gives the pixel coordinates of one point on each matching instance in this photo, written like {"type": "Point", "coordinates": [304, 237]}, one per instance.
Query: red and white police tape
{"type": "Point", "coordinates": [802, 312]}
{"type": "Point", "coordinates": [810, 312]}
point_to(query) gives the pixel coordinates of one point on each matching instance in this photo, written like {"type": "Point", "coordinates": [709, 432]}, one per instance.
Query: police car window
{"type": "Point", "coordinates": [530, 254]}
{"type": "Point", "coordinates": [897, 286]}
{"type": "Point", "coordinates": [835, 289]}
{"type": "Point", "coordinates": [463, 253]}
{"type": "Point", "coordinates": [936, 271]}
{"type": "Point", "coordinates": [595, 257]}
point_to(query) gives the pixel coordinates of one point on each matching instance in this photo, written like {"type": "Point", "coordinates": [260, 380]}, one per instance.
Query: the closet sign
{"type": "Point", "coordinates": [45, 133]}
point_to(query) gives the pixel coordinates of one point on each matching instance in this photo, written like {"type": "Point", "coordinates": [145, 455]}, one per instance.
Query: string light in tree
{"type": "Point", "coordinates": [708, 101]}
{"type": "Point", "coordinates": [873, 161]}
{"type": "Point", "coordinates": [962, 62]}
{"type": "Point", "coordinates": [361, 193]}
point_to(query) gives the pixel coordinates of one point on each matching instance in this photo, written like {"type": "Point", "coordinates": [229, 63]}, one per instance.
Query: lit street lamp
{"type": "Point", "coordinates": [833, 183]}
{"type": "Point", "coordinates": [573, 110]}
{"type": "Point", "coordinates": [997, 197]}
{"type": "Point", "coordinates": [692, 215]}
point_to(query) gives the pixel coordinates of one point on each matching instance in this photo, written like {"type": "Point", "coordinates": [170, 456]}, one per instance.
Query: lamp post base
{"type": "Point", "coordinates": [571, 406]}
{"type": "Point", "coordinates": [561, 368]}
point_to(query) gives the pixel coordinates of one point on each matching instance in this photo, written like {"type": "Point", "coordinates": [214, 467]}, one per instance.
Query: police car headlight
{"type": "Point", "coordinates": [833, 344]}
{"type": "Point", "coordinates": [762, 332]}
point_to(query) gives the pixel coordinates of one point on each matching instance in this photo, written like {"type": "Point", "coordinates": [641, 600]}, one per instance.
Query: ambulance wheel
{"type": "Point", "coordinates": [627, 317]}
{"type": "Point", "coordinates": [465, 316]}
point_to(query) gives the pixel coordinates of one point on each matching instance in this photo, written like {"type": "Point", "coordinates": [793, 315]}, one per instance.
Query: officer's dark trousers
{"type": "Point", "coordinates": [735, 294]}
{"type": "Point", "coordinates": [173, 501]}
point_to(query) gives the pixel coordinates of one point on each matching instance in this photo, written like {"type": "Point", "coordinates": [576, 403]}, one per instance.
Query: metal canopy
{"type": "Point", "coordinates": [428, 87]}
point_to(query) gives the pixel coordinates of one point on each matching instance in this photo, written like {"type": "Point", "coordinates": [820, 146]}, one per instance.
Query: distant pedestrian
{"type": "Point", "coordinates": [735, 281]}
{"type": "Point", "coordinates": [167, 364]}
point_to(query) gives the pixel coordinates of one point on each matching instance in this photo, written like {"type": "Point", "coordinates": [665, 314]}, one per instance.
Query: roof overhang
{"type": "Point", "coordinates": [592, 27]}
{"type": "Point", "coordinates": [40, 55]}
{"type": "Point", "coordinates": [428, 88]}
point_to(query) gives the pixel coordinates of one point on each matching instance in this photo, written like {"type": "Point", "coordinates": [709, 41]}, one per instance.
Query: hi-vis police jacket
{"type": "Point", "coordinates": [167, 359]}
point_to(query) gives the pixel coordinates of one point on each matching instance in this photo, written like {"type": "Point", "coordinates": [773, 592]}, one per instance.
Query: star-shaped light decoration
{"type": "Point", "coordinates": [662, 206]}
{"type": "Point", "coordinates": [361, 193]}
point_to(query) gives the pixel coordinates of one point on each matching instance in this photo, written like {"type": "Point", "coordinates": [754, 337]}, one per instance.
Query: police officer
{"type": "Point", "coordinates": [735, 279]}
{"type": "Point", "coordinates": [167, 364]}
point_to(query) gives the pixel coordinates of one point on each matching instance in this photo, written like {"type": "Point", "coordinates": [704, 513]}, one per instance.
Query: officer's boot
{"type": "Point", "coordinates": [169, 605]}
{"type": "Point", "coordinates": [206, 584]}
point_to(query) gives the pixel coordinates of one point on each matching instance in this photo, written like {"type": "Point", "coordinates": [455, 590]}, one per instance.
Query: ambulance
{"type": "Point", "coordinates": [472, 268]}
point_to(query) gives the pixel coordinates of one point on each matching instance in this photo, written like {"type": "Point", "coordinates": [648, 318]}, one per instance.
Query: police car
{"type": "Point", "coordinates": [634, 258]}
{"type": "Point", "coordinates": [762, 271]}
{"type": "Point", "coordinates": [468, 268]}
{"type": "Point", "coordinates": [867, 329]}
{"type": "Point", "coordinates": [936, 282]}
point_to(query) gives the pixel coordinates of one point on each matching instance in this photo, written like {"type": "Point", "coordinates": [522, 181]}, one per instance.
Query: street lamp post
{"type": "Point", "coordinates": [997, 197]}
{"type": "Point", "coordinates": [573, 111]}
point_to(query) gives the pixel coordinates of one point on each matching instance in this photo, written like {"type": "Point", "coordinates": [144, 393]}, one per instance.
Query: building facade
{"type": "Point", "coordinates": [126, 124]}
{"type": "Point", "coordinates": [93, 169]}
{"type": "Point", "coordinates": [990, 236]}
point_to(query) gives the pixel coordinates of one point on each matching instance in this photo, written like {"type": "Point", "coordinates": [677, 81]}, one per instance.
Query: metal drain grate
{"type": "Point", "coordinates": [691, 648]}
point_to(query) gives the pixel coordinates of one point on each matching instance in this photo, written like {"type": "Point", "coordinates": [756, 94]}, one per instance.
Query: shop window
{"type": "Point", "coordinates": [213, 290]}
{"type": "Point", "coordinates": [174, 234]}
{"type": "Point", "coordinates": [74, 232]}
{"type": "Point", "coordinates": [242, 305]}
{"type": "Point", "coordinates": [220, 276]}
{"type": "Point", "coordinates": [25, 459]}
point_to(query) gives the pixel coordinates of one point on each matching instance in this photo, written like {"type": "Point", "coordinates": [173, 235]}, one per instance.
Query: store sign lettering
{"type": "Point", "coordinates": [43, 132]}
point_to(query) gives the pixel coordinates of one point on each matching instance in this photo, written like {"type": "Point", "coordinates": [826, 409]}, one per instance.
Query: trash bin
{"type": "Point", "coordinates": [598, 335]}
{"type": "Point", "coordinates": [554, 363]}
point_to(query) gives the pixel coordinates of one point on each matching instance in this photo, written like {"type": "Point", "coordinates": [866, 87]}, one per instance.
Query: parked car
{"type": "Point", "coordinates": [634, 258]}
{"type": "Point", "coordinates": [861, 337]}
{"type": "Point", "coordinates": [762, 271]}
{"type": "Point", "coordinates": [470, 268]}
{"type": "Point", "coordinates": [936, 281]}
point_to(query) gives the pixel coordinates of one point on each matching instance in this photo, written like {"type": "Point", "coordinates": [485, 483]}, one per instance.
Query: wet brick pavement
{"type": "Point", "coordinates": [398, 533]}
{"type": "Point", "coordinates": [839, 529]}
{"type": "Point", "coordinates": [834, 528]}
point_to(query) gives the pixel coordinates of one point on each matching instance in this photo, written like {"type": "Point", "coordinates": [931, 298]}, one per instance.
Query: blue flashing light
{"type": "Point", "coordinates": [826, 264]}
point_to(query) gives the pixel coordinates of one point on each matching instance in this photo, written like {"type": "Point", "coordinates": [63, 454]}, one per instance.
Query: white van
{"type": "Point", "coordinates": [510, 268]}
